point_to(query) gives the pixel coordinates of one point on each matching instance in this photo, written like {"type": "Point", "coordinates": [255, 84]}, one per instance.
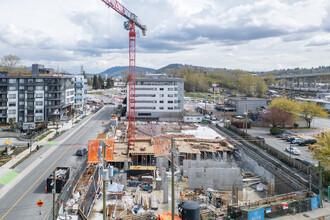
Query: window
{"type": "Point", "coordinates": [21, 81]}
{"type": "Point", "coordinates": [12, 112]}
{"type": "Point", "coordinates": [21, 87]}
{"type": "Point", "coordinates": [21, 103]}
{"type": "Point", "coordinates": [170, 89]}
{"type": "Point", "coordinates": [170, 108]}
{"type": "Point", "coordinates": [169, 101]}
{"type": "Point", "coordinates": [39, 88]}
{"type": "Point", "coordinates": [170, 95]}
{"type": "Point", "coordinates": [175, 95]}
{"type": "Point", "coordinates": [161, 101]}
{"type": "Point", "coordinates": [12, 88]}
{"type": "Point", "coordinates": [12, 96]}
{"type": "Point", "coordinates": [39, 80]}
{"type": "Point", "coordinates": [161, 89]}
{"type": "Point", "coordinates": [20, 118]}
{"type": "Point", "coordinates": [21, 96]}
{"type": "Point", "coordinates": [39, 110]}
{"type": "Point", "coordinates": [161, 108]}
{"type": "Point", "coordinates": [176, 89]}
{"type": "Point", "coordinates": [39, 95]}
{"type": "Point", "coordinates": [161, 95]}
{"type": "Point", "coordinates": [12, 80]}
{"type": "Point", "coordinates": [12, 104]}
{"type": "Point", "coordinates": [39, 103]}
{"type": "Point", "coordinates": [39, 118]}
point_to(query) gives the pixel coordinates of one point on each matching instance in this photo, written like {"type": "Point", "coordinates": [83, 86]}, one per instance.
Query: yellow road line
{"type": "Point", "coordinates": [45, 173]}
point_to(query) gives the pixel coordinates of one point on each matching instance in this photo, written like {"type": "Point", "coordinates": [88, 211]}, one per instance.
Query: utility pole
{"type": "Point", "coordinates": [320, 184]}
{"type": "Point", "coordinates": [54, 195]}
{"type": "Point", "coordinates": [246, 116]}
{"type": "Point", "coordinates": [104, 191]}
{"type": "Point", "coordinates": [172, 158]}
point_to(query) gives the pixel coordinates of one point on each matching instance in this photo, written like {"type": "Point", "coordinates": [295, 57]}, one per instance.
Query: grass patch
{"type": "Point", "coordinates": [56, 136]}
{"type": "Point", "coordinates": [96, 93]}
{"type": "Point", "coordinates": [76, 122]}
{"type": "Point", "coordinates": [24, 158]}
{"type": "Point", "coordinates": [44, 135]}
{"type": "Point", "coordinates": [5, 158]}
{"type": "Point", "coordinates": [83, 117]}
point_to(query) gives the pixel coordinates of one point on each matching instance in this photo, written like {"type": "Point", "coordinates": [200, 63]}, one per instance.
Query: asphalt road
{"type": "Point", "coordinates": [20, 201]}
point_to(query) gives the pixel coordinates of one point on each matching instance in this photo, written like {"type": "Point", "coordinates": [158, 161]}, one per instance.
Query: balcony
{"type": "Point", "coordinates": [3, 91]}
{"type": "Point", "coordinates": [3, 100]}
{"type": "Point", "coordinates": [30, 91]}
{"type": "Point", "coordinates": [78, 86]}
{"type": "Point", "coordinates": [54, 98]}
{"type": "Point", "coordinates": [3, 84]}
{"type": "Point", "coordinates": [3, 115]}
{"type": "Point", "coordinates": [30, 98]}
{"type": "Point", "coordinates": [3, 107]}
{"type": "Point", "coordinates": [30, 107]}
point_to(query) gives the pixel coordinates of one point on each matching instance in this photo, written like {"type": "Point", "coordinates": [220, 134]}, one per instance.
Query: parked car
{"type": "Point", "coordinates": [261, 139]}
{"type": "Point", "coordinates": [293, 150]}
{"type": "Point", "coordinates": [81, 151]}
{"type": "Point", "coordinates": [207, 116]}
{"type": "Point", "coordinates": [296, 140]}
{"type": "Point", "coordinates": [307, 141]}
{"type": "Point", "coordinates": [289, 138]}
{"type": "Point", "coordinates": [213, 118]}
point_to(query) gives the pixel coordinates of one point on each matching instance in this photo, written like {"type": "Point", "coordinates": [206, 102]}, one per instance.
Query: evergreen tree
{"type": "Point", "coordinates": [95, 82]}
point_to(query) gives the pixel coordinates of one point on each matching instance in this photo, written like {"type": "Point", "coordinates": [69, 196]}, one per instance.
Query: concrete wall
{"type": "Point", "coordinates": [212, 174]}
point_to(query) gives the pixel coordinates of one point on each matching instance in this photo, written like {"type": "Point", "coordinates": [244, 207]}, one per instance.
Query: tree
{"type": "Point", "coordinates": [261, 87]}
{"type": "Point", "coordinates": [110, 83]}
{"type": "Point", "coordinates": [270, 79]}
{"type": "Point", "coordinates": [101, 82]}
{"type": "Point", "coordinates": [9, 63]}
{"type": "Point", "coordinates": [95, 82]}
{"type": "Point", "coordinates": [310, 111]}
{"type": "Point", "coordinates": [247, 84]}
{"type": "Point", "coordinates": [322, 150]}
{"type": "Point", "coordinates": [276, 116]}
{"type": "Point", "coordinates": [287, 105]}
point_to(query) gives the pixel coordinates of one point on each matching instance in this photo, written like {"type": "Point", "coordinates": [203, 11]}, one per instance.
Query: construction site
{"type": "Point", "coordinates": [206, 177]}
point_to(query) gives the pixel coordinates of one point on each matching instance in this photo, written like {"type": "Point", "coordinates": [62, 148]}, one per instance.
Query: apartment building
{"type": "Point", "coordinates": [158, 97]}
{"type": "Point", "coordinates": [80, 87]}
{"type": "Point", "coordinates": [37, 97]}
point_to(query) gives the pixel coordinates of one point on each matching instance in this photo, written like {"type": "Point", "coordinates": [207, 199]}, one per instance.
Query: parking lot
{"type": "Point", "coordinates": [282, 144]}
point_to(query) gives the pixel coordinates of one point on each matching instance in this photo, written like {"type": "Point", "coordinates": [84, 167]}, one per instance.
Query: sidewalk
{"type": "Point", "coordinates": [5, 169]}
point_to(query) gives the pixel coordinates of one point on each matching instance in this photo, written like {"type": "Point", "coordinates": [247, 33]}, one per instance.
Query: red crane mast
{"type": "Point", "coordinates": [129, 25]}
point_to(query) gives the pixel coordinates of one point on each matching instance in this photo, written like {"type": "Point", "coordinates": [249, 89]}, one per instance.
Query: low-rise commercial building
{"type": "Point", "coordinates": [246, 104]}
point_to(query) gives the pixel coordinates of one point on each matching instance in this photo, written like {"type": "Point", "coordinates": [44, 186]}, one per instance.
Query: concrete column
{"type": "Point", "coordinates": [125, 165]}
{"type": "Point", "coordinates": [165, 191]}
{"type": "Point", "coordinates": [124, 179]}
{"type": "Point", "coordinates": [198, 157]}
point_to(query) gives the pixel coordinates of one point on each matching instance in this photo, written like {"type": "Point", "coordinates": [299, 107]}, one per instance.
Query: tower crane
{"type": "Point", "coordinates": [129, 25]}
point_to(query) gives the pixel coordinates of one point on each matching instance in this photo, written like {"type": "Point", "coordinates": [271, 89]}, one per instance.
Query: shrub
{"type": "Point", "coordinates": [276, 130]}
{"type": "Point", "coordinates": [296, 125]}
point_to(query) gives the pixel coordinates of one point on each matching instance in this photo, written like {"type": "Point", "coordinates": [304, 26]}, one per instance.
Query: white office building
{"type": "Point", "coordinates": [158, 97]}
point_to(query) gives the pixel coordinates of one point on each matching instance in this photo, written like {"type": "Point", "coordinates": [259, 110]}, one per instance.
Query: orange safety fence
{"type": "Point", "coordinates": [93, 151]}
{"type": "Point", "coordinates": [168, 216]}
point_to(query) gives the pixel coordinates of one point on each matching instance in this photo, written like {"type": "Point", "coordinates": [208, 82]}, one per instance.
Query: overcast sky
{"type": "Point", "coordinates": [236, 34]}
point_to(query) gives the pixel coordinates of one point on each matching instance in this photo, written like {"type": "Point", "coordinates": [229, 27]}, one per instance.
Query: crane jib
{"type": "Point", "coordinates": [114, 4]}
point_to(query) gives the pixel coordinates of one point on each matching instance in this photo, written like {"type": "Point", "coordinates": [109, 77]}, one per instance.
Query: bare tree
{"type": "Point", "coordinates": [10, 63]}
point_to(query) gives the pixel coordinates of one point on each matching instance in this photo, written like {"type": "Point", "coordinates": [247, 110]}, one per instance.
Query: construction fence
{"type": "Point", "coordinates": [277, 209]}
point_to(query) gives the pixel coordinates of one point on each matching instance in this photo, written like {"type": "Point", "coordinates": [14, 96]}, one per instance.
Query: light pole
{"type": "Point", "coordinates": [172, 158]}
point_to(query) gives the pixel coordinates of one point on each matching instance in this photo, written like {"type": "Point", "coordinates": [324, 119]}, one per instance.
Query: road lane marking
{"type": "Point", "coordinates": [45, 172]}
{"type": "Point", "coordinates": [8, 177]}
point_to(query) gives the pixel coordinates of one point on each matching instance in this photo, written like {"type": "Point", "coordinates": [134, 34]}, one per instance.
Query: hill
{"type": "Point", "coordinates": [118, 71]}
